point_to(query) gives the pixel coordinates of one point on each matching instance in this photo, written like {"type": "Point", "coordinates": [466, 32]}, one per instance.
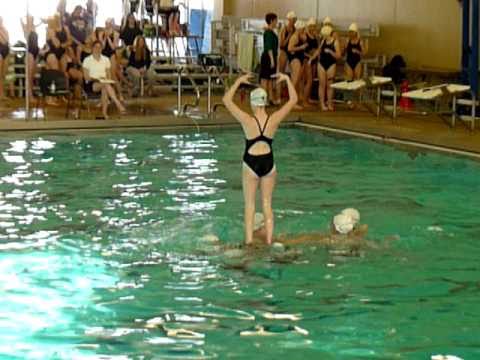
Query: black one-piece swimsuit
{"type": "Point", "coordinates": [263, 164]}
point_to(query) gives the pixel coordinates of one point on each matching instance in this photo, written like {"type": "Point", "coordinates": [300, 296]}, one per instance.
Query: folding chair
{"type": "Point", "coordinates": [88, 97]}
{"type": "Point", "coordinates": [53, 83]}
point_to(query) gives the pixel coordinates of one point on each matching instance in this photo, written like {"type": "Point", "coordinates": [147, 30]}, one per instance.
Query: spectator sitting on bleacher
{"type": "Point", "coordinates": [58, 41]}
{"type": "Point", "coordinates": [119, 62]}
{"type": "Point", "coordinates": [97, 35]}
{"type": "Point", "coordinates": [75, 77]}
{"type": "Point", "coordinates": [79, 31]}
{"type": "Point", "coordinates": [130, 30]}
{"type": "Point", "coordinates": [97, 75]}
{"type": "Point", "coordinates": [139, 64]}
{"type": "Point", "coordinates": [112, 38]}
{"type": "Point", "coordinates": [4, 52]}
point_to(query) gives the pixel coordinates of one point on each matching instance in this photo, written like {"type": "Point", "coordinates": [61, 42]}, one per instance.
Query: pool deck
{"type": "Point", "coordinates": [430, 130]}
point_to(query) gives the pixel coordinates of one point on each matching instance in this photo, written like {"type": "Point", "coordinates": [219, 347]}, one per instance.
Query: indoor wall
{"type": "Point", "coordinates": [426, 32]}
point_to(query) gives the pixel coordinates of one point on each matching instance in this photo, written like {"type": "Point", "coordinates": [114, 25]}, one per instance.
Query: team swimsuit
{"type": "Point", "coordinates": [263, 164]}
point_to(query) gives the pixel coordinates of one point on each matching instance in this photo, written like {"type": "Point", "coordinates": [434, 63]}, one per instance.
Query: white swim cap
{"type": "Point", "coordinates": [291, 15]}
{"type": "Point", "coordinates": [353, 27]}
{"type": "Point", "coordinates": [327, 21]}
{"type": "Point", "coordinates": [300, 24]}
{"type": "Point", "coordinates": [326, 30]}
{"type": "Point", "coordinates": [211, 238]}
{"type": "Point", "coordinates": [354, 214]}
{"type": "Point", "coordinates": [259, 221]}
{"type": "Point", "coordinates": [312, 21]}
{"type": "Point", "coordinates": [258, 97]}
{"type": "Point", "coordinates": [343, 224]}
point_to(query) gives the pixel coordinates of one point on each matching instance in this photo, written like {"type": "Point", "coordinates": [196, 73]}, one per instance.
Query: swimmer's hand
{"type": "Point", "coordinates": [281, 77]}
{"type": "Point", "coordinates": [245, 79]}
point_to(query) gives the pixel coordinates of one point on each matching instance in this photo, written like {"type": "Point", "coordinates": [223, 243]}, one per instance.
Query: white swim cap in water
{"type": "Point", "coordinates": [354, 214]}
{"type": "Point", "coordinates": [210, 238]}
{"type": "Point", "coordinates": [445, 357]}
{"type": "Point", "coordinates": [259, 221]}
{"type": "Point", "coordinates": [343, 224]}
{"type": "Point", "coordinates": [258, 97]}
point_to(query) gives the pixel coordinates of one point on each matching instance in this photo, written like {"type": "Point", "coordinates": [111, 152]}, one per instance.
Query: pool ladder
{"type": "Point", "coordinates": [182, 110]}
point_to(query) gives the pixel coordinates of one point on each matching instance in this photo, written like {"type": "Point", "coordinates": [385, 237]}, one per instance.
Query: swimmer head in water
{"type": "Point", "coordinates": [345, 222]}
{"type": "Point", "coordinates": [259, 221]}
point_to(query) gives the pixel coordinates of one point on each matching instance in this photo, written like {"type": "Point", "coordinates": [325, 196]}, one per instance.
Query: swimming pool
{"type": "Point", "coordinates": [102, 250]}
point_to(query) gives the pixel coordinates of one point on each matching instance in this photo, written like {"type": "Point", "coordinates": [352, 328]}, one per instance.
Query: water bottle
{"type": "Point", "coordinates": [53, 87]}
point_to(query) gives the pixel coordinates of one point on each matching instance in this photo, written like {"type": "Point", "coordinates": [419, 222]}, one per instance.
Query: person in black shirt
{"type": "Point", "coordinates": [269, 66]}
{"type": "Point", "coordinates": [139, 64]}
{"type": "Point", "coordinates": [396, 69]}
{"type": "Point", "coordinates": [130, 30]}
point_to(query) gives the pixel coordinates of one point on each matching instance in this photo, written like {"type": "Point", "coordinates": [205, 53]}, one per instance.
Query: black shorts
{"type": "Point", "coordinates": [266, 70]}
{"type": "Point", "coordinates": [88, 86]}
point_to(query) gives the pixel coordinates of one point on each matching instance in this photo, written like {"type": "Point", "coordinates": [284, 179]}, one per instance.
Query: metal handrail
{"type": "Point", "coordinates": [213, 71]}
{"type": "Point", "coordinates": [197, 94]}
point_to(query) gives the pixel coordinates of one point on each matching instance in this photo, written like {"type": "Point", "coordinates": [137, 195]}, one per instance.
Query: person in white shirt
{"type": "Point", "coordinates": [97, 74]}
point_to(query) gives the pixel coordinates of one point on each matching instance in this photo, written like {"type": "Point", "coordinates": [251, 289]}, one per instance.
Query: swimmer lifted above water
{"type": "Point", "coordinates": [258, 164]}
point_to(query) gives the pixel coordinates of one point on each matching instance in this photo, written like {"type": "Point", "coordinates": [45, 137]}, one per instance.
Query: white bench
{"type": "Point", "coordinates": [375, 82]}
{"type": "Point", "coordinates": [452, 91]}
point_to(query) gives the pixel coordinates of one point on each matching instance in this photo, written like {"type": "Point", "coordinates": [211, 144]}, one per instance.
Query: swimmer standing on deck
{"type": "Point", "coordinates": [258, 164]}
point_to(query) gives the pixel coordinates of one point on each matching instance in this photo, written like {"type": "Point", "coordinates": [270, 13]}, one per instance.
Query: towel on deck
{"type": "Point", "coordinates": [246, 51]}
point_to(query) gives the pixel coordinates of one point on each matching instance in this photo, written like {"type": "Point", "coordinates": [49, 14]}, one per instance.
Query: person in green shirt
{"type": "Point", "coordinates": [268, 65]}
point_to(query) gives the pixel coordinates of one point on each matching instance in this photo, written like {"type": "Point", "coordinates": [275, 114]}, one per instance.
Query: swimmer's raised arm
{"type": "Point", "coordinates": [228, 99]}
{"type": "Point", "coordinates": [278, 116]}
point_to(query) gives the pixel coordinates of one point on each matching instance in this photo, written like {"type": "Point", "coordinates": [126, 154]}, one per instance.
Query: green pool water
{"type": "Point", "coordinates": [100, 234]}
